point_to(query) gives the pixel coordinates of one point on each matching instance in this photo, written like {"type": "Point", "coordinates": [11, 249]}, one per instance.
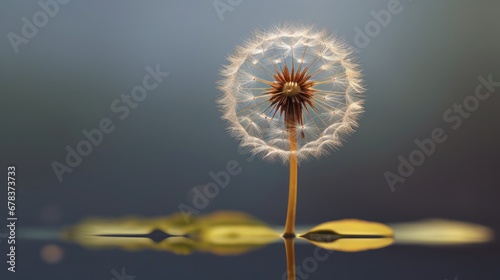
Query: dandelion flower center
{"type": "Point", "coordinates": [291, 89]}
{"type": "Point", "coordinates": [290, 93]}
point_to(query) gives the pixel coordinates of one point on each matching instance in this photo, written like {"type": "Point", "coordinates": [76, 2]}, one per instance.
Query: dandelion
{"type": "Point", "coordinates": [290, 94]}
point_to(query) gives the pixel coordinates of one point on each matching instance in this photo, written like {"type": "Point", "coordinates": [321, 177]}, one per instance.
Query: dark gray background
{"type": "Point", "coordinates": [65, 78]}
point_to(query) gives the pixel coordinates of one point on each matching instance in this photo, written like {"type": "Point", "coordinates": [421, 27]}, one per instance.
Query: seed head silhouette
{"type": "Point", "coordinates": [291, 93]}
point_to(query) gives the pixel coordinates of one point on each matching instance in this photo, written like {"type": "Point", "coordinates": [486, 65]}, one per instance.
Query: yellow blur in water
{"type": "Point", "coordinates": [233, 233]}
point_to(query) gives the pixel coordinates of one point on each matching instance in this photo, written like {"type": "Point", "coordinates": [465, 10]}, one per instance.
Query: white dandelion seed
{"type": "Point", "coordinates": [290, 94]}
{"type": "Point", "coordinates": [294, 76]}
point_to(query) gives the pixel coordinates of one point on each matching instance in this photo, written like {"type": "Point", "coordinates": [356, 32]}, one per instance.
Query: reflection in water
{"type": "Point", "coordinates": [220, 233]}
{"type": "Point", "coordinates": [233, 233]}
{"type": "Point", "coordinates": [350, 235]}
{"type": "Point", "coordinates": [290, 258]}
{"type": "Point", "coordinates": [442, 232]}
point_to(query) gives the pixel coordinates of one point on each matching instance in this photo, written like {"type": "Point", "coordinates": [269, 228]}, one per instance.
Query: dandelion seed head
{"type": "Point", "coordinates": [291, 79]}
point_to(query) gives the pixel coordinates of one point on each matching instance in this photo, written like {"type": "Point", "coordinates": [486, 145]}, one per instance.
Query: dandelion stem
{"type": "Point", "coordinates": [292, 195]}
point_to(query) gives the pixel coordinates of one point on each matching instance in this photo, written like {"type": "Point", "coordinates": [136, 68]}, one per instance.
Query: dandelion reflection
{"type": "Point", "coordinates": [228, 233]}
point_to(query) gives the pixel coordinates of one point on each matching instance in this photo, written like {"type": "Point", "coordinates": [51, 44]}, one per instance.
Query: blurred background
{"type": "Point", "coordinates": [86, 55]}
